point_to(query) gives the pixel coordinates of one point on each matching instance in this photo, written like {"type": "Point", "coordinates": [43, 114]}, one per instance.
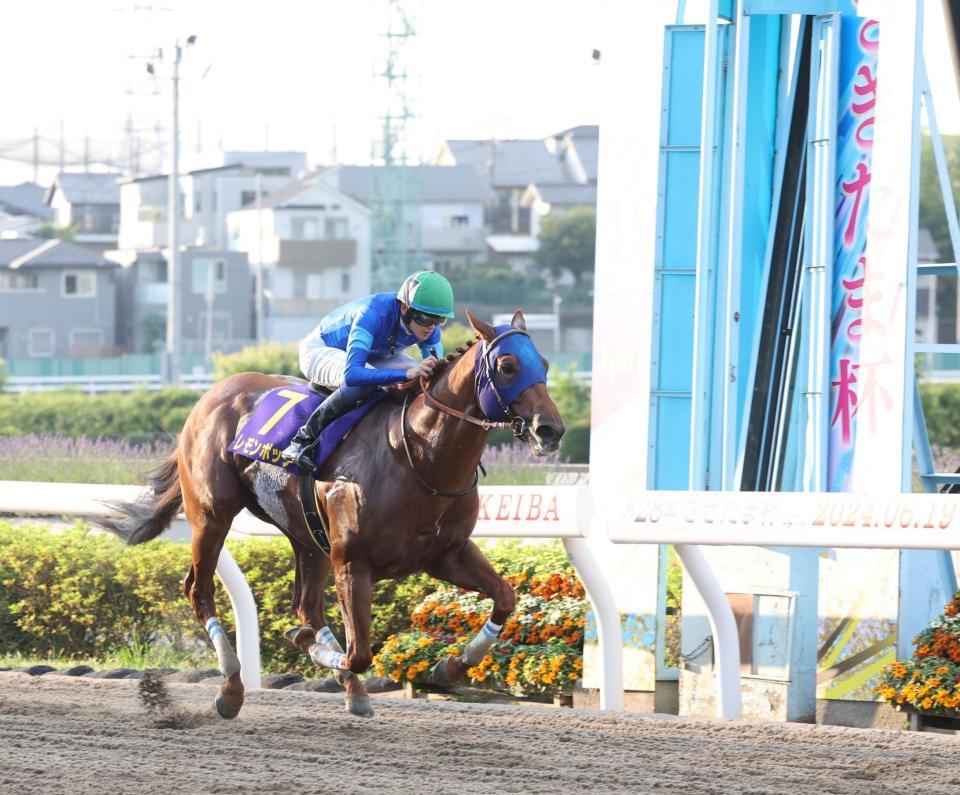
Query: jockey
{"type": "Point", "coordinates": [354, 350]}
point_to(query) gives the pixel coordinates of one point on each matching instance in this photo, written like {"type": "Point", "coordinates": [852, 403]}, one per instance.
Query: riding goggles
{"type": "Point", "coordinates": [423, 319]}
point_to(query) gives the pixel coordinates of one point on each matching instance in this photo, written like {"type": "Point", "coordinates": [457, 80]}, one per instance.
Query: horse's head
{"type": "Point", "coordinates": [511, 383]}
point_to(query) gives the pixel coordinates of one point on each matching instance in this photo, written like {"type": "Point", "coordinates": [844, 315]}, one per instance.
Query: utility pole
{"type": "Point", "coordinates": [173, 230]}
{"type": "Point", "coordinates": [258, 271]}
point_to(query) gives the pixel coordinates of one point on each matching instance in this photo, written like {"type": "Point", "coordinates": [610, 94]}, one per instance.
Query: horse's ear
{"type": "Point", "coordinates": [518, 321]}
{"type": "Point", "coordinates": [485, 330]}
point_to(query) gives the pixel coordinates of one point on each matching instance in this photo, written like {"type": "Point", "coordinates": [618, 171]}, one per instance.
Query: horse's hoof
{"type": "Point", "coordinates": [442, 674]}
{"type": "Point", "coordinates": [291, 633]}
{"type": "Point", "coordinates": [225, 709]}
{"type": "Point", "coordinates": [360, 705]}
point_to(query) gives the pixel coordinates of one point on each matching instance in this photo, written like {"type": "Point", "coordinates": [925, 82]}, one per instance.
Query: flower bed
{"type": "Point", "coordinates": [930, 681]}
{"type": "Point", "coordinates": [540, 649]}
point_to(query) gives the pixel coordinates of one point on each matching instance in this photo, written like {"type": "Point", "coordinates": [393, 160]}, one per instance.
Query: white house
{"type": "Point", "coordinates": [207, 195]}
{"type": "Point", "coordinates": [446, 208]}
{"type": "Point", "coordinates": [89, 204]}
{"type": "Point", "coordinates": [313, 243]}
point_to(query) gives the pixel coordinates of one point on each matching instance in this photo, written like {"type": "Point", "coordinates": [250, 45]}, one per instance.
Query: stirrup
{"type": "Point", "coordinates": [299, 454]}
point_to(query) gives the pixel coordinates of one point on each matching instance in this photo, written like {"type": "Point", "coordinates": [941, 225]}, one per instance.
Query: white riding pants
{"type": "Point", "coordinates": [324, 365]}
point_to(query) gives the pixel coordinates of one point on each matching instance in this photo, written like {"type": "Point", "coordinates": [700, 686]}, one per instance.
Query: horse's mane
{"type": "Point", "coordinates": [444, 364]}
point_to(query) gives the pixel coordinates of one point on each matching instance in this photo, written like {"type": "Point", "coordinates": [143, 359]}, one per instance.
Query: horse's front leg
{"type": "Point", "coordinates": [313, 636]}
{"type": "Point", "coordinates": [355, 594]}
{"type": "Point", "coordinates": [466, 567]}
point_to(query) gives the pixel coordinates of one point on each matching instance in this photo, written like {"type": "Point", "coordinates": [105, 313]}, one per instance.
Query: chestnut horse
{"type": "Point", "coordinates": [399, 496]}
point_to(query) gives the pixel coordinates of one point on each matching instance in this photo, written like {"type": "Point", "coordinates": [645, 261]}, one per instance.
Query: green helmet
{"type": "Point", "coordinates": [427, 292]}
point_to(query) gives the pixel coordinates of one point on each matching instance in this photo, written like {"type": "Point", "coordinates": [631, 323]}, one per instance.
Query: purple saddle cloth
{"type": "Point", "coordinates": [281, 413]}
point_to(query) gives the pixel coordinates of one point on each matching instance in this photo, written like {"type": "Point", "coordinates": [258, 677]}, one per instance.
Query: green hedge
{"type": "Point", "coordinates": [81, 594]}
{"type": "Point", "coordinates": [136, 416]}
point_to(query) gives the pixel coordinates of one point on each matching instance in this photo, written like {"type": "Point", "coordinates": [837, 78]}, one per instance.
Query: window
{"type": "Point", "coordinates": [40, 342]}
{"type": "Point", "coordinates": [345, 282]}
{"type": "Point", "coordinates": [18, 281]}
{"type": "Point", "coordinates": [459, 220]}
{"type": "Point", "coordinates": [314, 286]}
{"type": "Point", "coordinates": [79, 284]}
{"type": "Point", "coordinates": [85, 342]}
{"type": "Point", "coordinates": [249, 197]}
{"type": "Point", "coordinates": [304, 228]}
{"type": "Point", "coordinates": [100, 219]}
{"type": "Point", "coordinates": [205, 270]}
{"type": "Point", "coordinates": [197, 202]}
{"type": "Point", "coordinates": [4, 345]}
{"type": "Point", "coordinates": [336, 229]}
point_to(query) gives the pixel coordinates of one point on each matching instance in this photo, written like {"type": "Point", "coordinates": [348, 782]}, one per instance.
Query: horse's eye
{"type": "Point", "coordinates": [508, 368]}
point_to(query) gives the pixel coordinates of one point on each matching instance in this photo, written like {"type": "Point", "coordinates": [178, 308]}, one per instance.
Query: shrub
{"type": "Point", "coordinates": [931, 680]}
{"type": "Point", "coordinates": [137, 416]}
{"type": "Point", "coordinates": [273, 358]}
{"type": "Point", "coordinates": [84, 594]}
{"type": "Point", "coordinates": [61, 592]}
{"type": "Point", "coordinates": [540, 646]}
{"type": "Point", "coordinates": [3, 374]}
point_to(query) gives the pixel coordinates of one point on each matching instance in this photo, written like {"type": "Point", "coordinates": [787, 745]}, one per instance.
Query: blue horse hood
{"type": "Point", "coordinates": [532, 371]}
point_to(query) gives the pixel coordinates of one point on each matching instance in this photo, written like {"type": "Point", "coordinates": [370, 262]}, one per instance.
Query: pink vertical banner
{"type": "Point", "coordinates": [857, 87]}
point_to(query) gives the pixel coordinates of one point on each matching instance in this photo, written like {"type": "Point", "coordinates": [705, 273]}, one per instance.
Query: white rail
{"type": "Point", "coordinates": [505, 511]}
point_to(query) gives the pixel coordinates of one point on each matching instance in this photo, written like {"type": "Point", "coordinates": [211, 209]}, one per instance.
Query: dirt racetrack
{"type": "Point", "coordinates": [66, 735]}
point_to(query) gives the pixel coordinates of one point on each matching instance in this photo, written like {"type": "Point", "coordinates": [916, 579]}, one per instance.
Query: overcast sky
{"type": "Point", "coordinates": [299, 74]}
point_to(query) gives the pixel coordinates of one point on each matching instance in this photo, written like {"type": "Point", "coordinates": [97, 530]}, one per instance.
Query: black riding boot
{"type": "Point", "coordinates": [300, 449]}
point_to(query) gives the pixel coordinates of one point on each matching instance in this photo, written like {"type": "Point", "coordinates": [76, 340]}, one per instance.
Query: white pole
{"type": "Point", "coordinates": [726, 639]}
{"type": "Point", "coordinates": [173, 233]}
{"type": "Point", "coordinates": [245, 615]}
{"type": "Point", "coordinates": [609, 636]}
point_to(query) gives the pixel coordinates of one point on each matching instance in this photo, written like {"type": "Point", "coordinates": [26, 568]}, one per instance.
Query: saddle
{"type": "Point", "coordinates": [268, 430]}
{"type": "Point", "coordinates": [279, 415]}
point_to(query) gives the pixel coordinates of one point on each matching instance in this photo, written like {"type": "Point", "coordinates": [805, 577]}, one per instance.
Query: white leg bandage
{"type": "Point", "coordinates": [478, 647]}
{"type": "Point", "coordinates": [328, 658]}
{"type": "Point", "coordinates": [226, 656]}
{"type": "Point", "coordinates": [328, 640]}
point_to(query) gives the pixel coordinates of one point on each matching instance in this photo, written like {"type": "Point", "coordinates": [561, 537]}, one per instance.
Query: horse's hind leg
{"type": "Point", "coordinates": [211, 517]}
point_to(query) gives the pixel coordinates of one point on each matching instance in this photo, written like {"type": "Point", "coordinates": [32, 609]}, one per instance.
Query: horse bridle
{"type": "Point", "coordinates": [514, 421]}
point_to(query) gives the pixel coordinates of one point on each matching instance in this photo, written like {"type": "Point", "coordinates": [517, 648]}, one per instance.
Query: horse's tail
{"type": "Point", "coordinates": [152, 513]}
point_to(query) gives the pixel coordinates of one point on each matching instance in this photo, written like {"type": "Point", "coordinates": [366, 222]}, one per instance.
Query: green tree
{"type": "Point", "coordinates": [49, 231]}
{"type": "Point", "coordinates": [569, 243]}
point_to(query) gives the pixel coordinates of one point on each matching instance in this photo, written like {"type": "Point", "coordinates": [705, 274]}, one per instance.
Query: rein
{"type": "Point", "coordinates": [417, 476]}
{"type": "Point", "coordinates": [515, 422]}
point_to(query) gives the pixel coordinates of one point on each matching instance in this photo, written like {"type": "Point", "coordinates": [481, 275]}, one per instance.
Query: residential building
{"type": "Point", "coordinates": [445, 212]}
{"type": "Point", "coordinates": [313, 243]}
{"type": "Point", "coordinates": [506, 168]}
{"type": "Point", "coordinates": [56, 299]}
{"type": "Point", "coordinates": [89, 204]}
{"type": "Point", "coordinates": [22, 210]}
{"type": "Point", "coordinates": [530, 179]}
{"type": "Point", "coordinates": [207, 196]}
{"type": "Point", "coordinates": [215, 296]}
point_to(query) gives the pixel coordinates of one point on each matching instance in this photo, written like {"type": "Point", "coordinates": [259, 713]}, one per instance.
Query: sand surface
{"type": "Point", "coordinates": [62, 734]}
